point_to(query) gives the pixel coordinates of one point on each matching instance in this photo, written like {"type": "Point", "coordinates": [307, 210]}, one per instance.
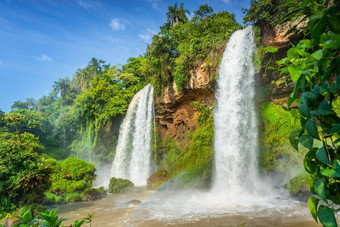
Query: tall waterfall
{"type": "Point", "coordinates": [132, 160]}
{"type": "Point", "coordinates": [235, 118]}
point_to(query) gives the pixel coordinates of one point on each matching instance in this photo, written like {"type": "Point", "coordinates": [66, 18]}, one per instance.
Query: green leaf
{"type": "Point", "coordinates": [316, 25]}
{"type": "Point", "coordinates": [324, 109]}
{"type": "Point", "coordinates": [319, 187]}
{"type": "Point", "coordinates": [295, 72]}
{"type": "Point", "coordinates": [271, 49]}
{"type": "Point", "coordinates": [312, 129]}
{"type": "Point", "coordinates": [333, 18]}
{"type": "Point", "coordinates": [306, 141]}
{"type": "Point", "coordinates": [335, 128]}
{"type": "Point", "coordinates": [336, 166]}
{"type": "Point", "coordinates": [313, 207]}
{"type": "Point", "coordinates": [303, 108]}
{"type": "Point", "coordinates": [334, 87]}
{"type": "Point", "coordinates": [293, 138]}
{"type": "Point", "coordinates": [322, 156]}
{"type": "Point", "coordinates": [329, 173]}
{"type": "Point", "coordinates": [321, 112]}
{"type": "Point", "coordinates": [317, 54]}
{"type": "Point", "coordinates": [326, 217]}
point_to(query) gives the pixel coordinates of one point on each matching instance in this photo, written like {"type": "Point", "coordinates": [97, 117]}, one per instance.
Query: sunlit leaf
{"type": "Point", "coordinates": [329, 173]}
{"type": "Point", "coordinates": [319, 187]}
{"type": "Point", "coordinates": [271, 49]}
{"type": "Point", "coordinates": [313, 207]}
{"type": "Point", "coordinates": [317, 54]}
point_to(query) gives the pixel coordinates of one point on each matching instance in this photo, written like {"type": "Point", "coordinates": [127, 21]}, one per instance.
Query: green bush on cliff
{"type": "Point", "coordinates": [191, 164]}
{"type": "Point", "coordinates": [118, 185]}
{"type": "Point", "coordinates": [176, 50]}
{"type": "Point", "coordinates": [266, 11]}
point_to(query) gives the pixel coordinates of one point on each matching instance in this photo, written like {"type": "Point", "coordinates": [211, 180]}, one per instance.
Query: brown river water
{"type": "Point", "coordinates": [187, 208]}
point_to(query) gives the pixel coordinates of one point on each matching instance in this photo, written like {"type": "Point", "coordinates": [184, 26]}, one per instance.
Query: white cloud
{"type": "Point", "coordinates": [147, 36]}
{"type": "Point", "coordinates": [44, 57]}
{"type": "Point", "coordinates": [153, 3]}
{"type": "Point", "coordinates": [84, 4]}
{"type": "Point", "coordinates": [226, 1]}
{"type": "Point", "coordinates": [116, 24]}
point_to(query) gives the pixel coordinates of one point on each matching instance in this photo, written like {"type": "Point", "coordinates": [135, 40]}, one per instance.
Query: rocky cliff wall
{"type": "Point", "coordinates": [270, 84]}
{"type": "Point", "coordinates": [175, 113]}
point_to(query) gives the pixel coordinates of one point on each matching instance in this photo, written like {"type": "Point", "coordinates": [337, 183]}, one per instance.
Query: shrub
{"type": "Point", "coordinates": [118, 185]}
{"type": "Point", "coordinates": [299, 183]}
{"type": "Point", "coordinates": [72, 178]}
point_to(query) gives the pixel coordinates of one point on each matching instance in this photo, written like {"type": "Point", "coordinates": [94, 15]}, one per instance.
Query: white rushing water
{"type": "Point", "coordinates": [235, 120]}
{"type": "Point", "coordinates": [132, 160]}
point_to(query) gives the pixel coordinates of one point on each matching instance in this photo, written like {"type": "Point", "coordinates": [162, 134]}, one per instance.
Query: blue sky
{"type": "Point", "coordinates": [43, 40]}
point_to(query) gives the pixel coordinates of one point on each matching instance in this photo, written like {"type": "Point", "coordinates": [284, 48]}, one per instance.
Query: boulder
{"type": "Point", "coordinates": [118, 185]}
{"type": "Point", "coordinates": [94, 194]}
{"type": "Point", "coordinates": [134, 202]}
{"type": "Point", "coordinates": [157, 179]}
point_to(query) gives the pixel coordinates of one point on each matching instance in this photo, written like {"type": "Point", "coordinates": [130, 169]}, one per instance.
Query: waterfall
{"type": "Point", "coordinates": [235, 119]}
{"type": "Point", "coordinates": [132, 159]}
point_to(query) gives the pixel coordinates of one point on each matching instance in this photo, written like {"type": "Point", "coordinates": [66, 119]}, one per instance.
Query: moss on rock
{"type": "Point", "coordinates": [157, 179]}
{"type": "Point", "coordinates": [277, 154]}
{"type": "Point", "coordinates": [119, 185]}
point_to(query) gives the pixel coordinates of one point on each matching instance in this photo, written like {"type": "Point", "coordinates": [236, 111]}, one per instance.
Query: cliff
{"type": "Point", "coordinates": [174, 112]}
{"type": "Point", "coordinates": [272, 86]}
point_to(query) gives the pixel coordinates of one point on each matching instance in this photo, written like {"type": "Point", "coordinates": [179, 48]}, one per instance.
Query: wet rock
{"type": "Point", "coordinates": [157, 179]}
{"type": "Point", "coordinates": [94, 194]}
{"type": "Point", "coordinates": [119, 185]}
{"type": "Point", "coordinates": [134, 202]}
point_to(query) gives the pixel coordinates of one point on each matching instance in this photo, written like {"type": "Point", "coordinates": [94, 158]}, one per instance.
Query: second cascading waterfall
{"type": "Point", "coordinates": [235, 119]}
{"type": "Point", "coordinates": [132, 159]}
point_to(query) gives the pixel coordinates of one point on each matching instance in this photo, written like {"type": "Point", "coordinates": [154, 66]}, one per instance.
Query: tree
{"type": "Point", "coordinates": [19, 105]}
{"type": "Point", "coordinates": [61, 86]}
{"type": "Point", "coordinates": [31, 102]}
{"type": "Point", "coordinates": [24, 175]}
{"type": "Point", "coordinates": [177, 14]}
{"type": "Point", "coordinates": [265, 11]}
{"type": "Point", "coordinates": [203, 12]}
{"type": "Point", "coordinates": [2, 119]}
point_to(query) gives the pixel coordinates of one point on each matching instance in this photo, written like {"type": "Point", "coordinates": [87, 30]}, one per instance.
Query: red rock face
{"type": "Point", "coordinates": [157, 179]}
{"type": "Point", "coordinates": [277, 37]}
{"type": "Point", "coordinates": [174, 112]}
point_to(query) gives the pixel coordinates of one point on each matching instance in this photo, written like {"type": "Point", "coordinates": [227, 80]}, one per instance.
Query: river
{"type": "Point", "coordinates": [184, 208]}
